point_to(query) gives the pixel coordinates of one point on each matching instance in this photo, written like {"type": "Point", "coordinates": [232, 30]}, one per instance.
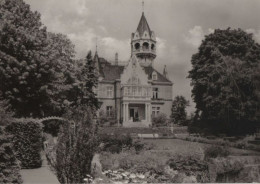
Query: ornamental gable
{"type": "Point", "coordinates": [133, 73]}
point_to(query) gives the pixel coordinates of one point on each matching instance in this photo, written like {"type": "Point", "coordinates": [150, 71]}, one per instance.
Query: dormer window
{"type": "Point", "coordinates": [154, 76]}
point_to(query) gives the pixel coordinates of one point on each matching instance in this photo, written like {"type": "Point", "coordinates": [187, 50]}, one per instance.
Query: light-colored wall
{"type": "Point", "coordinates": [102, 90]}
{"type": "Point", "coordinates": [165, 91]}
{"type": "Point", "coordinates": [165, 94]}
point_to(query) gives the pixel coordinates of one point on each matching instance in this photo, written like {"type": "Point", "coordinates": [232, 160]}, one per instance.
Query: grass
{"type": "Point", "coordinates": [183, 147]}
{"type": "Point", "coordinates": [142, 130]}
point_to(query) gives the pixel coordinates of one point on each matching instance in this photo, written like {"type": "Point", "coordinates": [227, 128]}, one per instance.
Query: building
{"type": "Point", "coordinates": [132, 94]}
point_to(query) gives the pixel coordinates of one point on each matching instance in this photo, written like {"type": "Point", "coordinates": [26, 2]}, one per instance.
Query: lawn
{"type": "Point", "coordinates": [183, 147]}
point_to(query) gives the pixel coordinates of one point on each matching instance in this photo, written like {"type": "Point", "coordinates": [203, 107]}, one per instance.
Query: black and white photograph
{"type": "Point", "coordinates": [129, 91]}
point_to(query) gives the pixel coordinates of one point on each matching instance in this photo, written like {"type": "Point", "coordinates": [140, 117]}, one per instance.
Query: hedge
{"type": "Point", "coordinates": [9, 165]}
{"type": "Point", "coordinates": [27, 139]}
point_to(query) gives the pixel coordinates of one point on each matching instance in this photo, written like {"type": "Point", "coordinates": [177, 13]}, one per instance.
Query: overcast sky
{"type": "Point", "coordinates": [179, 25]}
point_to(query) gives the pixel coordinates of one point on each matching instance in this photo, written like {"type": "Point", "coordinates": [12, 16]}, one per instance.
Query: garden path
{"type": "Point", "coordinates": [42, 175]}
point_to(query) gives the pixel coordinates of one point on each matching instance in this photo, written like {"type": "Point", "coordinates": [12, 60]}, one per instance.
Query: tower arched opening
{"type": "Point", "coordinates": [145, 46]}
{"type": "Point", "coordinates": [153, 47]}
{"type": "Point", "coordinates": [137, 46]}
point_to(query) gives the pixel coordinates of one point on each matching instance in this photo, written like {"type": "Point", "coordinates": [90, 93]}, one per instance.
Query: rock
{"type": "Point", "coordinates": [135, 181]}
{"type": "Point", "coordinates": [141, 176]}
{"type": "Point", "coordinates": [189, 179]}
{"type": "Point", "coordinates": [121, 170]}
{"type": "Point", "coordinates": [132, 176]}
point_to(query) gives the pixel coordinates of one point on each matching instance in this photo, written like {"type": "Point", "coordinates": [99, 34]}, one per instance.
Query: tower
{"type": "Point", "coordinates": [143, 43]}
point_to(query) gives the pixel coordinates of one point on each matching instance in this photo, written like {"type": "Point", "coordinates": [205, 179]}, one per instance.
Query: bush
{"type": "Point", "coordinates": [115, 143]}
{"type": "Point", "coordinates": [216, 151]}
{"type": "Point", "coordinates": [27, 139]}
{"type": "Point", "coordinates": [9, 165]}
{"type": "Point", "coordinates": [52, 127]}
{"type": "Point", "coordinates": [190, 166]}
{"type": "Point", "coordinates": [77, 143]}
{"type": "Point", "coordinates": [160, 120]}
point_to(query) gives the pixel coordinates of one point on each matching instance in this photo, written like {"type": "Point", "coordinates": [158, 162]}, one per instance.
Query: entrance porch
{"type": "Point", "coordinates": [136, 114]}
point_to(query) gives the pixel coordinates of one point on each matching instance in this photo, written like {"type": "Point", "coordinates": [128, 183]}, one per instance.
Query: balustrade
{"type": "Point", "coordinates": [136, 91]}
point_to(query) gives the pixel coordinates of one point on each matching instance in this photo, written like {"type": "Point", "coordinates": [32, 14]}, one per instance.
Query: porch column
{"type": "Point", "coordinates": [123, 112]}
{"type": "Point", "coordinates": [149, 112]}
{"type": "Point", "coordinates": [127, 112]}
{"type": "Point", "coordinates": [146, 112]}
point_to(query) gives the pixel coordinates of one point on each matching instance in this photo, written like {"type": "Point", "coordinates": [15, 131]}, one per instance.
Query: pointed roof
{"type": "Point", "coordinates": [143, 26]}
{"type": "Point", "coordinates": [165, 73]}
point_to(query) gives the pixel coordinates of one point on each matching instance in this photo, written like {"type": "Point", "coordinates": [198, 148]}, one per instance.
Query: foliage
{"type": "Point", "coordinates": [5, 112]}
{"type": "Point", "coordinates": [178, 111]}
{"type": "Point", "coordinates": [190, 166]}
{"type": "Point", "coordinates": [52, 127]}
{"type": "Point", "coordinates": [27, 139]}
{"type": "Point", "coordinates": [115, 143]}
{"type": "Point", "coordinates": [77, 143]}
{"type": "Point", "coordinates": [9, 165]}
{"type": "Point", "coordinates": [39, 74]}
{"type": "Point", "coordinates": [159, 120]}
{"type": "Point", "coordinates": [104, 119]}
{"type": "Point", "coordinates": [155, 165]}
{"type": "Point", "coordinates": [225, 79]}
{"type": "Point", "coordinates": [25, 68]}
{"type": "Point", "coordinates": [216, 151]}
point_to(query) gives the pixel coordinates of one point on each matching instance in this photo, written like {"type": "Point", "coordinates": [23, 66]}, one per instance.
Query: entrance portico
{"type": "Point", "coordinates": [136, 114]}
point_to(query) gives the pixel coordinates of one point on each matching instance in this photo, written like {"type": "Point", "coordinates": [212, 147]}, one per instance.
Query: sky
{"type": "Point", "coordinates": [179, 26]}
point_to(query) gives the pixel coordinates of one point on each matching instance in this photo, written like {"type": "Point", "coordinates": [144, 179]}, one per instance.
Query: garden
{"type": "Point", "coordinates": [174, 160]}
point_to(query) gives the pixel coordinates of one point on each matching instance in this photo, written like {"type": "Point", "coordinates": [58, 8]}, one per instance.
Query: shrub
{"type": "Point", "coordinates": [76, 146]}
{"type": "Point", "coordinates": [216, 151]}
{"type": "Point", "coordinates": [52, 127]}
{"type": "Point", "coordinates": [27, 139]}
{"type": "Point", "coordinates": [115, 143]}
{"type": "Point", "coordinates": [190, 166]}
{"type": "Point", "coordinates": [9, 165]}
{"type": "Point", "coordinates": [160, 120]}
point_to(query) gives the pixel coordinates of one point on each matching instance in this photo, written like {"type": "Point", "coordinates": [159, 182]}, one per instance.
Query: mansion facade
{"type": "Point", "coordinates": [133, 93]}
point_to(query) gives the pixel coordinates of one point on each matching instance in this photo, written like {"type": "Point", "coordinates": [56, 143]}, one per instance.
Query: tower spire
{"type": "Point", "coordinates": [142, 6]}
{"type": "Point", "coordinates": [96, 45]}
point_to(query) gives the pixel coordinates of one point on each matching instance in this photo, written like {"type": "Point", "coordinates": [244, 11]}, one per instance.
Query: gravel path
{"type": "Point", "coordinates": [42, 175]}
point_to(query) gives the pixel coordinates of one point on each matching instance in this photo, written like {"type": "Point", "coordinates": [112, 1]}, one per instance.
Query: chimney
{"type": "Point", "coordinates": [165, 73]}
{"type": "Point", "coordinates": [116, 59]}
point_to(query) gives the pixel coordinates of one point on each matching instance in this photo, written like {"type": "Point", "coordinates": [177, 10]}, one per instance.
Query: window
{"type": "Point", "coordinates": [155, 93]}
{"type": "Point", "coordinates": [137, 46]}
{"type": "Point", "coordinates": [145, 46]}
{"type": "Point", "coordinates": [109, 111]}
{"type": "Point", "coordinates": [155, 110]}
{"type": "Point", "coordinates": [154, 76]}
{"type": "Point", "coordinates": [109, 91]}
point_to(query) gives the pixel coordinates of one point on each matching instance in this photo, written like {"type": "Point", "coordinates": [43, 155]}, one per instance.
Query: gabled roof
{"type": "Point", "coordinates": [113, 72]}
{"type": "Point", "coordinates": [143, 26]}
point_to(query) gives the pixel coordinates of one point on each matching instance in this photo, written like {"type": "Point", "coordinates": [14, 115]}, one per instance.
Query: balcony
{"type": "Point", "coordinates": [136, 92]}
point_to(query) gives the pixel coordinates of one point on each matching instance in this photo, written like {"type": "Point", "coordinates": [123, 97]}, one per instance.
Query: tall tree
{"type": "Point", "coordinates": [178, 111]}
{"type": "Point", "coordinates": [225, 78]}
{"type": "Point", "coordinates": [39, 73]}
{"type": "Point", "coordinates": [25, 68]}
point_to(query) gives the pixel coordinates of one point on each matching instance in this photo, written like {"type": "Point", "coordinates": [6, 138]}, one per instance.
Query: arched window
{"type": "Point", "coordinates": [145, 46]}
{"type": "Point", "coordinates": [152, 46]}
{"type": "Point", "coordinates": [137, 46]}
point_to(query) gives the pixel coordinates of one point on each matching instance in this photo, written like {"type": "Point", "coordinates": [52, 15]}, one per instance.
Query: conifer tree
{"type": "Point", "coordinates": [178, 111]}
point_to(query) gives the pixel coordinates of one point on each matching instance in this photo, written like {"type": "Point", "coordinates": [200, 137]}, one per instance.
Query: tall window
{"type": "Point", "coordinates": [109, 111]}
{"type": "Point", "coordinates": [109, 91]}
{"type": "Point", "coordinates": [155, 93]}
{"type": "Point", "coordinates": [155, 110]}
